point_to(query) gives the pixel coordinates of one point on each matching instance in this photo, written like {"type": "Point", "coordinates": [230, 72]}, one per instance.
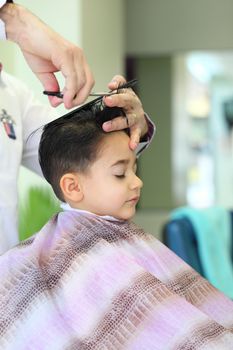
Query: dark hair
{"type": "Point", "coordinates": [71, 143]}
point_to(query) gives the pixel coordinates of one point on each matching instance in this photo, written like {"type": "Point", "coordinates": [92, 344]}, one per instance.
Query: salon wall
{"type": "Point", "coordinates": [155, 165]}
{"type": "Point", "coordinates": [165, 26]}
{"type": "Point", "coordinates": [103, 38]}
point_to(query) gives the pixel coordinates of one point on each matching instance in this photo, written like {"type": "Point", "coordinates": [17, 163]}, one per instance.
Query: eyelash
{"type": "Point", "coordinates": [120, 176]}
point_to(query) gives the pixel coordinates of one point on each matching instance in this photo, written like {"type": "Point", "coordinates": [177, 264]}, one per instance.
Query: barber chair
{"type": "Point", "coordinates": [179, 235]}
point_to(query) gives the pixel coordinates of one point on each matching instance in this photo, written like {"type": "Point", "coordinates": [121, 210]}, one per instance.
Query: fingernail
{"type": "Point", "coordinates": [133, 145]}
{"type": "Point", "coordinates": [109, 99]}
{"type": "Point", "coordinates": [107, 126]}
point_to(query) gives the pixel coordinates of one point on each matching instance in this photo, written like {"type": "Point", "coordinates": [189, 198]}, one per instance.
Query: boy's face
{"type": "Point", "coordinates": [111, 186]}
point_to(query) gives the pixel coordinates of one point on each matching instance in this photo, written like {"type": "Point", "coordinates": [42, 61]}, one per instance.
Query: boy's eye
{"type": "Point", "coordinates": [120, 176]}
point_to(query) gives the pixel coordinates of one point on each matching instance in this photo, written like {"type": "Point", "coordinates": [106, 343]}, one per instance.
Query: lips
{"type": "Point", "coordinates": [134, 200]}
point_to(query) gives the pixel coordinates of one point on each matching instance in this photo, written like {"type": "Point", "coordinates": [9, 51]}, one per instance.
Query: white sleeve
{"type": "Point", "coordinates": [2, 25]}
{"type": "Point", "coordinates": [33, 115]}
{"type": "Point", "coordinates": [2, 2]}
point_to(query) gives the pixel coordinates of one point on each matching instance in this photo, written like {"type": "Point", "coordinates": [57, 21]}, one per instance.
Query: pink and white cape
{"type": "Point", "coordinates": [84, 282]}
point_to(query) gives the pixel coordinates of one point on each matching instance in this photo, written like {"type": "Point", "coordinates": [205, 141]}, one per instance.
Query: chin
{"type": "Point", "coordinates": [126, 216]}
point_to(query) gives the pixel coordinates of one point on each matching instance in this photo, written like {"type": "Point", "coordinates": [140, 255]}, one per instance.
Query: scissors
{"type": "Point", "coordinates": [126, 85]}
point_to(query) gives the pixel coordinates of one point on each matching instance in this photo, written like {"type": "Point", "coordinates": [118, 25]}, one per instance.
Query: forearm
{"type": "Point", "coordinates": [5, 6]}
{"type": "Point", "coordinates": [2, 24]}
{"type": "Point", "coordinates": [19, 23]}
{"type": "Point", "coordinates": [9, 14]}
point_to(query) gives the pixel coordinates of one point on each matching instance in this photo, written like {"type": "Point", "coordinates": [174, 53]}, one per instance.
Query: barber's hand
{"type": "Point", "coordinates": [132, 106]}
{"type": "Point", "coordinates": [47, 52]}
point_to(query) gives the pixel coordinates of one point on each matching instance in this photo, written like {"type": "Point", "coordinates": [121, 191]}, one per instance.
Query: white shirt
{"type": "Point", "coordinates": [2, 25]}
{"type": "Point", "coordinates": [18, 103]}
{"type": "Point", "coordinates": [67, 207]}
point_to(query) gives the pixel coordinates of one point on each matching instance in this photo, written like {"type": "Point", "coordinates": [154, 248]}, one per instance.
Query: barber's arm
{"type": "Point", "coordinates": [2, 24]}
{"type": "Point", "coordinates": [46, 52]}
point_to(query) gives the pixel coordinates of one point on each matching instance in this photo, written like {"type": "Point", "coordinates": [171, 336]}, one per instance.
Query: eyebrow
{"type": "Point", "coordinates": [123, 162]}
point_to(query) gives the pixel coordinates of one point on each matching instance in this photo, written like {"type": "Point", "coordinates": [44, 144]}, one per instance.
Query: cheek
{"type": "Point", "coordinates": [106, 189]}
{"type": "Point", "coordinates": [111, 189]}
{"type": "Point", "coordinates": [117, 190]}
{"type": "Point", "coordinates": [100, 188]}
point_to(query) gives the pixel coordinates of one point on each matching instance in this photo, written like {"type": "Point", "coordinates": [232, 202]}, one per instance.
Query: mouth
{"type": "Point", "coordinates": [134, 200]}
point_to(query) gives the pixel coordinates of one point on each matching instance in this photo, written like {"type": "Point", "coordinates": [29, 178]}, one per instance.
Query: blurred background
{"type": "Point", "coordinates": [181, 52]}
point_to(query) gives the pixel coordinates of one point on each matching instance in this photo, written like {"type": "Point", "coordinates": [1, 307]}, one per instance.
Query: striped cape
{"type": "Point", "coordinates": [84, 282]}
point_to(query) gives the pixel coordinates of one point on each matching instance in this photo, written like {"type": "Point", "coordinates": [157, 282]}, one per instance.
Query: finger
{"type": "Point", "coordinates": [74, 83]}
{"type": "Point", "coordinates": [50, 83]}
{"type": "Point", "coordinates": [118, 123]}
{"type": "Point", "coordinates": [84, 83]}
{"type": "Point", "coordinates": [72, 68]}
{"type": "Point", "coordinates": [121, 122]}
{"type": "Point", "coordinates": [135, 135]}
{"type": "Point", "coordinates": [125, 100]}
{"type": "Point", "coordinates": [83, 93]}
{"type": "Point", "coordinates": [116, 81]}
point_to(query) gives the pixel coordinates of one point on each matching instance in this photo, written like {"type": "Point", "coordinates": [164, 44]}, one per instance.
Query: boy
{"type": "Point", "coordinates": [90, 279]}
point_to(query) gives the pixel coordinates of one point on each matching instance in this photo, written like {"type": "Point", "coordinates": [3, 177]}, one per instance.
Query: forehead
{"type": "Point", "coordinates": [115, 146]}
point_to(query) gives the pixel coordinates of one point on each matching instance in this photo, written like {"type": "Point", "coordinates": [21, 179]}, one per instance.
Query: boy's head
{"type": "Point", "coordinates": [88, 168]}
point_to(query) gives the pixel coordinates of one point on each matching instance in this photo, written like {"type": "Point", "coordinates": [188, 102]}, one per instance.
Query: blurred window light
{"type": "Point", "coordinates": [198, 107]}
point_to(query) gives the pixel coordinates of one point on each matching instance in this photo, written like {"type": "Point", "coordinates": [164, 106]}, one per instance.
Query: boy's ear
{"type": "Point", "coordinates": [71, 187]}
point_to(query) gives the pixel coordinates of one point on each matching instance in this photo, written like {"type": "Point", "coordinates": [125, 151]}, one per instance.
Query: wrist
{"type": "Point", "coordinates": [9, 14]}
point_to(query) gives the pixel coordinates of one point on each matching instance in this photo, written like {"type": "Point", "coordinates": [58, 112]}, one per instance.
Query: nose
{"type": "Point", "coordinates": [136, 183]}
